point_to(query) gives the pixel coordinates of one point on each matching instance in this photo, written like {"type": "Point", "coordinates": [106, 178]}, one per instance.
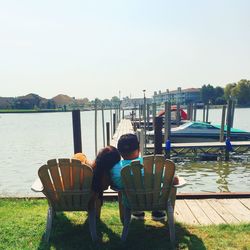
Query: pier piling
{"type": "Point", "coordinates": [158, 135]}
{"type": "Point", "coordinates": [76, 120]}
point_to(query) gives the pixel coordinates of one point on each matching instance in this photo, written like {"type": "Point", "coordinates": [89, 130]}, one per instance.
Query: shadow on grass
{"type": "Point", "coordinates": [67, 235]}
{"type": "Point", "coordinates": [143, 236]}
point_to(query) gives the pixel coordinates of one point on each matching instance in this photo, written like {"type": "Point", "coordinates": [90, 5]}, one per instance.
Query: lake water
{"type": "Point", "coordinates": [29, 140]}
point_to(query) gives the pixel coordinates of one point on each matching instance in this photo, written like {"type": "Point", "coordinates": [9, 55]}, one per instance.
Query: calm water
{"type": "Point", "coordinates": [29, 140]}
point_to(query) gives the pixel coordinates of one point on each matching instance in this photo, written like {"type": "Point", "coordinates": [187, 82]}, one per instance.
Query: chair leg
{"type": "Point", "coordinates": [126, 221]}
{"type": "Point", "coordinates": [121, 208]}
{"type": "Point", "coordinates": [98, 206]}
{"type": "Point", "coordinates": [171, 225]}
{"type": "Point", "coordinates": [92, 223]}
{"type": "Point", "coordinates": [50, 216]}
{"type": "Point", "coordinates": [173, 196]}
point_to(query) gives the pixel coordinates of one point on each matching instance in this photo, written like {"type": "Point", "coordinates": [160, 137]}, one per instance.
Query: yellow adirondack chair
{"type": "Point", "coordinates": [67, 187]}
{"type": "Point", "coordinates": [149, 191]}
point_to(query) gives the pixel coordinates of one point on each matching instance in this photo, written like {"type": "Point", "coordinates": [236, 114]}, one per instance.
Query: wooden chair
{"type": "Point", "coordinates": [149, 191]}
{"type": "Point", "coordinates": [67, 187]}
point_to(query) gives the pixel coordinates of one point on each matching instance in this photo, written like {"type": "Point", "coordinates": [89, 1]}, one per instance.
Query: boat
{"type": "Point", "coordinates": [183, 114]}
{"type": "Point", "coordinates": [183, 118]}
{"type": "Point", "coordinates": [202, 132]}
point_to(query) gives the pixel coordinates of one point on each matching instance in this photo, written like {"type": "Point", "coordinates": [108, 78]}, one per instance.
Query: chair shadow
{"type": "Point", "coordinates": [67, 235]}
{"type": "Point", "coordinates": [159, 237]}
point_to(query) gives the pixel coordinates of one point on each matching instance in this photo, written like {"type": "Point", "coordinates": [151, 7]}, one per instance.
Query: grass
{"type": "Point", "coordinates": [22, 224]}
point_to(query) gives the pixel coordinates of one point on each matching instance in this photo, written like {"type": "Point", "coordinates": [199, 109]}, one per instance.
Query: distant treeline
{"type": "Point", "coordinates": [239, 91]}
{"type": "Point", "coordinates": [63, 102]}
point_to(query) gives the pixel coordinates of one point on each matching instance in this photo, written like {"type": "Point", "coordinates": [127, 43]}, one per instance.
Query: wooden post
{"type": "Point", "coordinates": [229, 114]}
{"type": "Point", "coordinates": [148, 110]}
{"type": "Point", "coordinates": [229, 117]}
{"type": "Point", "coordinates": [167, 125]}
{"type": "Point", "coordinates": [139, 116]}
{"type": "Point", "coordinates": [142, 142]}
{"type": "Point", "coordinates": [178, 117]}
{"type": "Point", "coordinates": [111, 123]}
{"type": "Point", "coordinates": [167, 122]}
{"type": "Point", "coordinates": [118, 114]}
{"type": "Point", "coordinates": [103, 127]}
{"type": "Point", "coordinates": [114, 122]}
{"type": "Point", "coordinates": [207, 112]}
{"type": "Point", "coordinates": [158, 135]}
{"type": "Point", "coordinates": [188, 116]}
{"type": "Point", "coordinates": [76, 121]}
{"type": "Point", "coordinates": [191, 111]}
{"type": "Point", "coordinates": [195, 111]}
{"type": "Point", "coordinates": [222, 123]}
{"type": "Point", "coordinates": [204, 112]}
{"type": "Point", "coordinates": [154, 112]}
{"type": "Point", "coordinates": [108, 133]}
{"type": "Point", "coordinates": [145, 119]}
{"type": "Point", "coordinates": [95, 127]}
{"type": "Point", "coordinates": [232, 113]}
{"type": "Point", "coordinates": [123, 114]}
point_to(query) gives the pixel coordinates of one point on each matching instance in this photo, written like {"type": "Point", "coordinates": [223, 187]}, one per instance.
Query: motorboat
{"type": "Point", "coordinates": [174, 118]}
{"type": "Point", "coordinates": [202, 132]}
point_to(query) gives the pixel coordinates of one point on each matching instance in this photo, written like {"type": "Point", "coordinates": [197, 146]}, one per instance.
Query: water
{"type": "Point", "coordinates": [29, 140]}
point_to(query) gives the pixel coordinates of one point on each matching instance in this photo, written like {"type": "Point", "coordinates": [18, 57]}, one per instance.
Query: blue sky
{"type": "Point", "coordinates": [98, 48]}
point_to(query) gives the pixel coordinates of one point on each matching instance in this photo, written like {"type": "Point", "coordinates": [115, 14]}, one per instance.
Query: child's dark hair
{"type": "Point", "coordinates": [105, 160]}
{"type": "Point", "coordinates": [127, 144]}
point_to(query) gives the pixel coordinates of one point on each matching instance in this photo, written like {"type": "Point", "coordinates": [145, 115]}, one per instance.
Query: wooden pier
{"type": "Point", "coordinates": [205, 147]}
{"type": "Point", "coordinates": [124, 127]}
{"type": "Point", "coordinates": [200, 209]}
{"type": "Point", "coordinates": [212, 211]}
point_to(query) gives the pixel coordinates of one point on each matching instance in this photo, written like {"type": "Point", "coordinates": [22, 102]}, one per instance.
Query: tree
{"type": "Point", "coordinates": [242, 91]}
{"type": "Point", "coordinates": [218, 91]}
{"type": "Point", "coordinates": [106, 103]}
{"type": "Point", "coordinates": [207, 93]}
{"type": "Point", "coordinates": [220, 100]}
{"type": "Point", "coordinates": [97, 101]}
{"type": "Point", "coordinates": [219, 96]}
{"type": "Point", "coordinates": [115, 101]}
{"type": "Point", "coordinates": [228, 90]}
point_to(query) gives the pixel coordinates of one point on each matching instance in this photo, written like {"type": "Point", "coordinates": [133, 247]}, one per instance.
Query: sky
{"type": "Point", "coordinates": [105, 48]}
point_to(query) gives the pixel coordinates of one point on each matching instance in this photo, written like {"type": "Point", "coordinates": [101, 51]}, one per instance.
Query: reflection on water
{"type": "Point", "coordinates": [215, 176]}
{"type": "Point", "coordinates": [29, 140]}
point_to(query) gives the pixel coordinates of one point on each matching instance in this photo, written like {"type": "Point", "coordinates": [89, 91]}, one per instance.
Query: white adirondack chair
{"type": "Point", "coordinates": [67, 187]}
{"type": "Point", "coordinates": [149, 191]}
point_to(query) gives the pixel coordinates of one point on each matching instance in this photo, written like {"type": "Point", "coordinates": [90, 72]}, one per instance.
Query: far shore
{"type": "Point", "coordinates": [13, 111]}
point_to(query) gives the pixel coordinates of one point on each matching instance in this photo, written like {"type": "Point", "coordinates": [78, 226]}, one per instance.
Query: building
{"type": "Point", "coordinates": [131, 103]}
{"type": "Point", "coordinates": [182, 96]}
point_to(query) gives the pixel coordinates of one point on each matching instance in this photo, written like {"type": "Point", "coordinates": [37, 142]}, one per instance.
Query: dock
{"type": "Point", "coordinates": [200, 209]}
{"type": "Point", "coordinates": [205, 147]}
{"type": "Point", "coordinates": [212, 211]}
{"type": "Point", "coordinates": [124, 127]}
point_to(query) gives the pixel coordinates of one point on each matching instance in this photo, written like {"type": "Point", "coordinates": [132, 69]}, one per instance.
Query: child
{"type": "Point", "coordinates": [105, 160]}
{"type": "Point", "coordinates": [128, 146]}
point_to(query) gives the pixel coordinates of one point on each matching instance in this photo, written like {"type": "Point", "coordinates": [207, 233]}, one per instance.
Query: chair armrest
{"type": "Point", "coordinates": [37, 186]}
{"type": "Point", "coordinates": [181, 183]}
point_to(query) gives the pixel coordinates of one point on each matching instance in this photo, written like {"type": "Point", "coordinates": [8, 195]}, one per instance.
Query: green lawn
{"type": "Point", "coordinates": [22, 223]}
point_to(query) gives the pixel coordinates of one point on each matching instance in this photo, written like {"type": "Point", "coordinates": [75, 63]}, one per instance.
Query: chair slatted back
{"type": "Point", "coordinates": [148, 189]}
{"type": "Point", "coordinates": [67, 184]}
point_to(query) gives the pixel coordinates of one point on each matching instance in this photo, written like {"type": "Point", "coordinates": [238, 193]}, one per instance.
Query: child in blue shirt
{"type": "Point", "coordinates": [128, 146]}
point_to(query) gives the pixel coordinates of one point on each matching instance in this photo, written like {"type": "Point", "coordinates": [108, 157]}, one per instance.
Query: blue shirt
{"type": "Point", "coordinates": [116, 172]}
